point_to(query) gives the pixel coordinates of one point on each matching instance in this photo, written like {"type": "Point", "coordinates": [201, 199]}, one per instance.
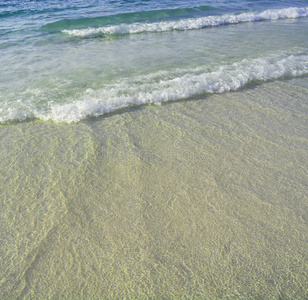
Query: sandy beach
{"type": "Point", "coordinates": [198, 199]}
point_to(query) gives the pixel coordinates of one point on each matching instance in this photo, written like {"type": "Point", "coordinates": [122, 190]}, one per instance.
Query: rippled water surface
{"type": "Point", "coordinates": [153, 149]}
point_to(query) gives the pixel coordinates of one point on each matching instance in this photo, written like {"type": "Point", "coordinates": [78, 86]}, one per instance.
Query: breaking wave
{"type": "Point", "coordinates": [191, 23]}
{"type": "Point", "coordinates": [163, 86]}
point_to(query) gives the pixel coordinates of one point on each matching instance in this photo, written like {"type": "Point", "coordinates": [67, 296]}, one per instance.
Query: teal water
{"type": "Point", "coordinates": [70, 61]}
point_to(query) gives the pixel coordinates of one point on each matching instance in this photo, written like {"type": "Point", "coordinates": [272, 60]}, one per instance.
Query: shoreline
{"type": "Point", "coordinates": [196, 199]}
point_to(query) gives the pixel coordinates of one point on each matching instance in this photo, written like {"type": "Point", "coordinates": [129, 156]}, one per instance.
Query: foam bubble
{"type": "Point", "coordinates": [160, 87]}
{"type": "Point", "coordinates": [178, 85]}
{"type": "Point", "coordinates": [196, 23]}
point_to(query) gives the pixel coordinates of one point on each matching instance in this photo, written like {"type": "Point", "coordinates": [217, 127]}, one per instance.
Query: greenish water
{"type": "Point", "coordinates": [200, 199]}
{"type": "Point", "coordinates": [73, 60]}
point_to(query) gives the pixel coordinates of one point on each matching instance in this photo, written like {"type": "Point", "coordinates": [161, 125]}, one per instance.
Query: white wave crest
{"type": "Point", "coordinates": [147, 89]}
{"type": "Point", "coordinates": [197, 23]}
{"type": "Point", "coordinates": [162, 86]}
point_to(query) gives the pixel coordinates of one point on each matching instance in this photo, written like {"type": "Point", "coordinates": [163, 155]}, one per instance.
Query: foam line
{"type": "Point", "coordinates": [188, 24]}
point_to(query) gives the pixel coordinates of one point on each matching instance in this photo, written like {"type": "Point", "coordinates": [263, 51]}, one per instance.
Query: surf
{"type": "Point", "coordinates": [163, 86]}
{"type": "Point", "coordinates": [130, 18]}
{"type": "Point", "coordinates": [190, 23]}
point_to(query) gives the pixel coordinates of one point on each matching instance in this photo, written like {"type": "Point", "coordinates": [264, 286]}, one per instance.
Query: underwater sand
{"type": "Point", "coordinates": [199, 199]}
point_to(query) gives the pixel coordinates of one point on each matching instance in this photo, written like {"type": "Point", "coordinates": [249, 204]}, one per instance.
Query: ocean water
{"type": "Point", "coordinates": [153, 149]}
{"type": "Point", "coordinates": [67, 61]}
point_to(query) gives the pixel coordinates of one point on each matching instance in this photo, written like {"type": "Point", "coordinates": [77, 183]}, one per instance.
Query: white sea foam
{"type": "Point", "coordinates": [147, 89]}
{"type": "Point", "coordinates": [164, 86]}
{"type": "Point", "coordinates": [197, 23]}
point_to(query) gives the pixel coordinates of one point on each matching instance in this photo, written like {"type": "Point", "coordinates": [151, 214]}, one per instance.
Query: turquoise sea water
{"type": "Point", "coordinates": [69, 60]}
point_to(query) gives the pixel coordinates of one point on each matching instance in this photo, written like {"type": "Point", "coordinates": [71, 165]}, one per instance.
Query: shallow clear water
{"type": "Point", "coordinates": [200, 196]}
{"type": "Point", "coordinates": [201, 199]}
